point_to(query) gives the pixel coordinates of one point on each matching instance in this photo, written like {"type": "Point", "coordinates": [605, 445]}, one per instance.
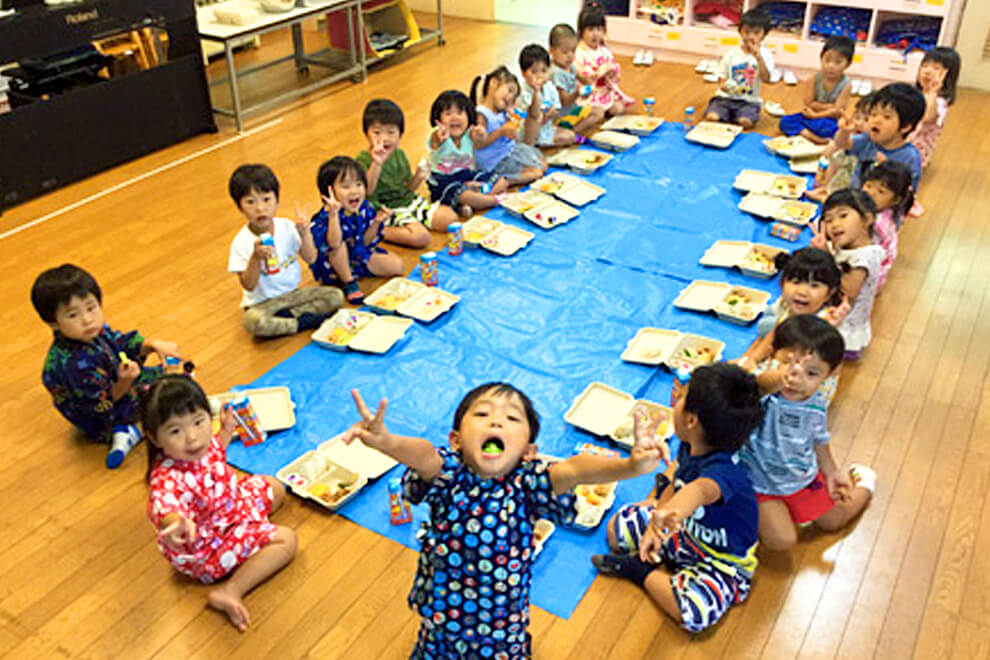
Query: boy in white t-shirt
{"type": "Point", "coordinates": [269, 275]}
{"type": "Point", "coordinates": [743, 67]}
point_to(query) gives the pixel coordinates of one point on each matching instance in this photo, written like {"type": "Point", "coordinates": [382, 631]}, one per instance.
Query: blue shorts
{"type": "Point", "coordinates": [822, 127]}
{"type": "Point", "coordinates": [703, 591]}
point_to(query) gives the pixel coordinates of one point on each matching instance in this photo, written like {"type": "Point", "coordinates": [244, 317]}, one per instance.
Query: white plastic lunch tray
{"type": "Point", "coordinates": [314, 468]}
{"type": "Point", "coordinates": [519, 203]}
{"type": "Point", "coordinates": [734, 254]}
{"type": "Point", "coordinates": [381, 334]}
{"type": "Point", "coordinates": [613, 140]}
{"type": "Point", "coordinates": [804, 165]}
{"type": "Point", "coordinates": [627, 441]}
{"type": "Point", "coordinates": [550, 215]}
{"type": "Point", "coordinates": [357, 457]}
{"type": "Point", "coordinates": [428, 304]}
{"type": "Point", "coordinates": [714, 134]}
{"type": "Point", "coordinates": [702, 295]}
{"type": "Point", "coordinates": [507, 240]}
{"type": "Point", "coordinates": [477, 228]}
{"type": "Point", "coordinates": [794, 147]}
{"type": "Point", "coordinates": [781, 185]}
{"type": "Point", "coordinates": [635, 124]}
{"type": "Point", "coordinates": [585, 161]}
{"type": "Point", "coordinates": [599, 409]}
{"type": "Point", "coordinates": [323, 333]}
{"type": "Point", "coordinates": [388, 297]}
{"type": "Point", "coordinates": [791, 211]}
{"type": "Point", "coordinates": [273, 405]}
{"type": "Point", "coordinates": [568, 188]}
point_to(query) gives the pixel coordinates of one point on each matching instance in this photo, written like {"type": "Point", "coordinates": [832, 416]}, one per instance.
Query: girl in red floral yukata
{"type": "Point", "coordinates": [210, 523]}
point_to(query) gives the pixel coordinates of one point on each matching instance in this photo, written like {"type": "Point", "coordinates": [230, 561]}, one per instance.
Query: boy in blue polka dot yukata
{"type": "Point", "coordinates": [485, 493]}
{"type": "Point", "coordinates": [692, 545]}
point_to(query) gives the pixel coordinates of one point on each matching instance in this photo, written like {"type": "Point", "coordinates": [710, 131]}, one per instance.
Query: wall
{"type": "Point", "coordinates": [480, 9]}
{"type": "Point", "coordinates": [543, 12]}
{"type": "Point", "coordinates": [972, 34]}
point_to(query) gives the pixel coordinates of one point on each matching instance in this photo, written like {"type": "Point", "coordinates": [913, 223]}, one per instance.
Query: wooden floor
{"type": "Point", "coordinates": [79, 572]}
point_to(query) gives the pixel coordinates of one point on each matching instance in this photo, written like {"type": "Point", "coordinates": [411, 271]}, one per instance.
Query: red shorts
{"type": "Point", "coordinates": [808, 504]}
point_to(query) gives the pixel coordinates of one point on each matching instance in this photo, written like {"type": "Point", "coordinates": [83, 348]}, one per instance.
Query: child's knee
{"type": "Point", "coordinates": [252, 320]}
{"type": "Point", "coordinates": [780, 540]}
{"type": "Point", "coordinates": [419, 236]}
{"type": "Point", "coordinates": [288, 537]}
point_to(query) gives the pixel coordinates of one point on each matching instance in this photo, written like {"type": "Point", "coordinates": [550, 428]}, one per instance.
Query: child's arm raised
{"type": "Point", "coordinates": [249, 276]}
{"type": "Point", "coordinates": [534, 118]}
{"type": "Point", "coordinates": [307, 247]}
{"type": "Point", "coordinates": [416, 453]}
{"type": "Point", "coordinates": [332, 207]}
{"type": "Point", "coordinates": [379, 155]}
{"type": "Point", "coordinates": [438, 136]}
{"type": "Point", "coordinates": [419, 176]}
{"type": "Point", "coordinates": [847, 126]}
{"type": "Point", "coordinates": [645, 456]}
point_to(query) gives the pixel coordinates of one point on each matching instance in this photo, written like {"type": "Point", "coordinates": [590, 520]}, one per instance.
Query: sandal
{"type": "Point", "coordinates": [353, 293]}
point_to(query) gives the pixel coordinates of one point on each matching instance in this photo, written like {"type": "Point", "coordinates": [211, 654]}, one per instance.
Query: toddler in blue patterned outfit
{"type": "Point", "coordinates": [485, 493]}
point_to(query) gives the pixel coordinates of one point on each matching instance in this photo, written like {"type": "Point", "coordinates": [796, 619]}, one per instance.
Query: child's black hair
{"type": "Point", "coordinates": [502, 75]}
{"type": "Point", "coordinates": [560, 32]}
{"type": "Point", "coordinates": [949, 58]}
{"type": "Point", "coordinates": [533, 54]}
{"type": "Point", "coordinates": [807, 332]}
{"type": "Point", "coordinates": [811, 264]}
{"type": "Point", "coordinates": [251, 177]}
{"type": "Point", "coordinates": [499, 389]}
{"type": "Point", "coordinates": [337, 168]}
{"type": "Point", "coordinates": [756, 18]}
{"type": "Point", "coordinates": [907, 102]}
{"type": "Point", "coordinates": [897, 178]}
{"type": "Point", "coordinates": [172, 394]}
{"type": "Point", "coordinates": [452, 98]}
{"type": "Point", "coordinates": [57, 286]}
{"type": "Point", "coordinates": [865, 102]}
{"type": "Point", "coordinates": [855, 199]}
{"type": "Point", "coordinates": [384, 112]}
{"type": "Point", "coordinates": [840, 44]}
{"type": "Point", "coordinates": [592, 16]}
{"type": "Point", "coordinates": [726, 400]}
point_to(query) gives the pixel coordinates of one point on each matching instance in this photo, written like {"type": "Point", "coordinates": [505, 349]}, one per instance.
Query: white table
{"type": "Point", "coordinates": [225, 34]}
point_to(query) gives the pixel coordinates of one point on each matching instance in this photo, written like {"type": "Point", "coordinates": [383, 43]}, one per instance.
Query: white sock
{"type": "Point", "coordinates": [121, 442]}
{"type": "Point", "coordinates": [863, 476]}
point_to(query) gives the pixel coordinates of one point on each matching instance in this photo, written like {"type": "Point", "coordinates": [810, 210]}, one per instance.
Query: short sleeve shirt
{"type": "Point", "coordinates": [726, 529]}
{"type": "Point", "coordinates": [742, 74]}
{"type": "Point", "coordinates": [865, 152]}
{"type": "Point", "coordinates": [490, 156]}
{"type": "Point", "coordinates": [855, 328]}
{"type": "Point", "coordinates": [565, 79]}
{"type": "Point", "coordinates": [393, 182]}
{"type": "Point", "coordinates": [549, 95]}
{"type": "Point", "coordinates": [780, 455]}
{"type": "Point", "coordinates": [287, 244]}
{"type": "Point", "coordinates": [474, 568]}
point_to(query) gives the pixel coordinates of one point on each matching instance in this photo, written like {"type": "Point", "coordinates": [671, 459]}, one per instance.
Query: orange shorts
{"type": "Point", "coordinates": [808, 504]}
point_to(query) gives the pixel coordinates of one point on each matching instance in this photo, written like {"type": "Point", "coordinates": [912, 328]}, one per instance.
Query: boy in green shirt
{"type": "Point", "coordinates": [391, 182]}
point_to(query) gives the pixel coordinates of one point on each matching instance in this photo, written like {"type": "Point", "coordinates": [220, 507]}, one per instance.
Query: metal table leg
{"type": "Point", "coordinates": [228, 52]}
{"type": "Point", "coordinates": [298, 50]}
{"type": "Point", "coordinates": [440, 39]}
{"type": "Point", "coordinates": [362, 54]}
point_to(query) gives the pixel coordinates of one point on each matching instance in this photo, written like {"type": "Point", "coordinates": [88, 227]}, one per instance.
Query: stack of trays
{"type": "Point", "coordinates": [714, 134]}
{"type": "Point", "coordinates": [334, 472]}
{"type": "Point", "coordinates": [411, 298]}
{"type": "Point", "coordinates": [752, 259]}
{"type": "Point", "coordinates": [584, 161]}
{"type": "Point", "coordinates": [737, 304]}
{"type": "Point", "coordinates": [677, 350]}
{"type": "Point", "coordinates": [635, 124]}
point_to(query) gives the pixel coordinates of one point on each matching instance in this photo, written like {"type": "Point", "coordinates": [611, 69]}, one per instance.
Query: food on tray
{"type": "Point", "coordinates": [400, 292]}
{"type": "Point", "coordinates": [332, 492]}
{"type": "Point", "coordinates": [624, 432]}
{"type": "Point", "coordinates": [595, 495]}
{"type": "Point", "coordinates": [478, 229]}
{"type": "Point", "coordinates": [551, 185]}
{"type": "Point", "coordinates": [796, 212]}
{"type": "Point", "coordinates": [594, 159]}
{"type": "Point", "coordinates": [759, 261]}
{"type": "Point", "coordinates": [785, 186]}
{"type": "Point", "coordinates": [344, 333]}
{"type": "Point", "coordinates": [737, 303]}
{"type": "Point", "coordinates": [691, 357]}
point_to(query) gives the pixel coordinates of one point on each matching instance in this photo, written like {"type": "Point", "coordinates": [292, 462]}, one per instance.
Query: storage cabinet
{"type": "Point", "coordinates": [385, 17]}
{"type": "Point", "coordinates": [675, 30]}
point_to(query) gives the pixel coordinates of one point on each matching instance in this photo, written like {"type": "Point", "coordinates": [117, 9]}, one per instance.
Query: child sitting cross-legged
{"type": "Point", "coordinates": [348, 231]}
{"type": "Point", "coordinates": [826, 94]}
{"type": "Point", "coordinates": [539, 99]}
{"type": "Point", "coordinates": [577, 112]}
{"type": "Point", "coordinates": [743, 67]}
{"type": "Point", "coordinates": [692, 545]}
{"type": "Point", "coordinates": [485, 493]}
{"type": "Point", "coordinates": [268, 271]}
{"type": "Point", "coordinates": [789, 458]}
{"type": "Point", "coordinates": [91, 370]}
{"type": "Point", "coordinates": [392, 183]}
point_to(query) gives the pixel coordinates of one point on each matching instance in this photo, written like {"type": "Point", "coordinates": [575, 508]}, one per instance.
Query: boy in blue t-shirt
{"type": "Point", "coordinates": [894, 112]}
{"type": "Point", "coordinates": [692, 546]}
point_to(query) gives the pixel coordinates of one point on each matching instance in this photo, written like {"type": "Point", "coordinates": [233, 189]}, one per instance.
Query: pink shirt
{"type": "Point", "coordinates": [885, 235]}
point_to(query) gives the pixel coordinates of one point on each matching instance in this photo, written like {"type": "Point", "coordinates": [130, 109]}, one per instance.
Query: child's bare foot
{"type": "Point", "coordinates": [220, 599]}
{"type": "Point", "coordinates": [817, 195]}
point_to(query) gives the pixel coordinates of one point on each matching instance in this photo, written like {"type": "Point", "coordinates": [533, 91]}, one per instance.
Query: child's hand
{"type": "Point", "coordinates": [647, 449]}
{"type": "Point", "coordinates": [179, 533]}
{"type": "Point", "coordinates": [649, 546]}
{"type": "Point", "coordinates": [330, 203]}
{"type": "Point", "coordinates": [442, 133]}
{"type": "Point", "coordinates": [847, 122]}
{"type": "Point", "coordinates": [510, 131]}
{"type": "Point", "coordinates": [383, 214]}
{"type": "Point", "coordinates": [423, 169]}
{"type": "Point", "coordinates": [818, 239]}
{"type": "Point", "coordinates": [379, 154]}
{"type": "Point", "coordinates": [227, 425]}
{"type": "Point", "coordinates": [164, 348]}
{"type": "Point", "coordinates": [261, 251]}
{"type": "Point", "coordinates": [839, 484]}
{"type": "Point", "coordinates": [477, 133]}
{"type": "Point", "coordinates": [128, 372]}
{"type": "Point", "coordinates": [303, 214]}
{"type": "Point", "coordinates": [666, 522]}
{"type": "Point", "coordinates": [371, 429]}
{"type": "Point", "coordinates": [836, 315]}
{"type": "Point", "coordinates": [881, 157]}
